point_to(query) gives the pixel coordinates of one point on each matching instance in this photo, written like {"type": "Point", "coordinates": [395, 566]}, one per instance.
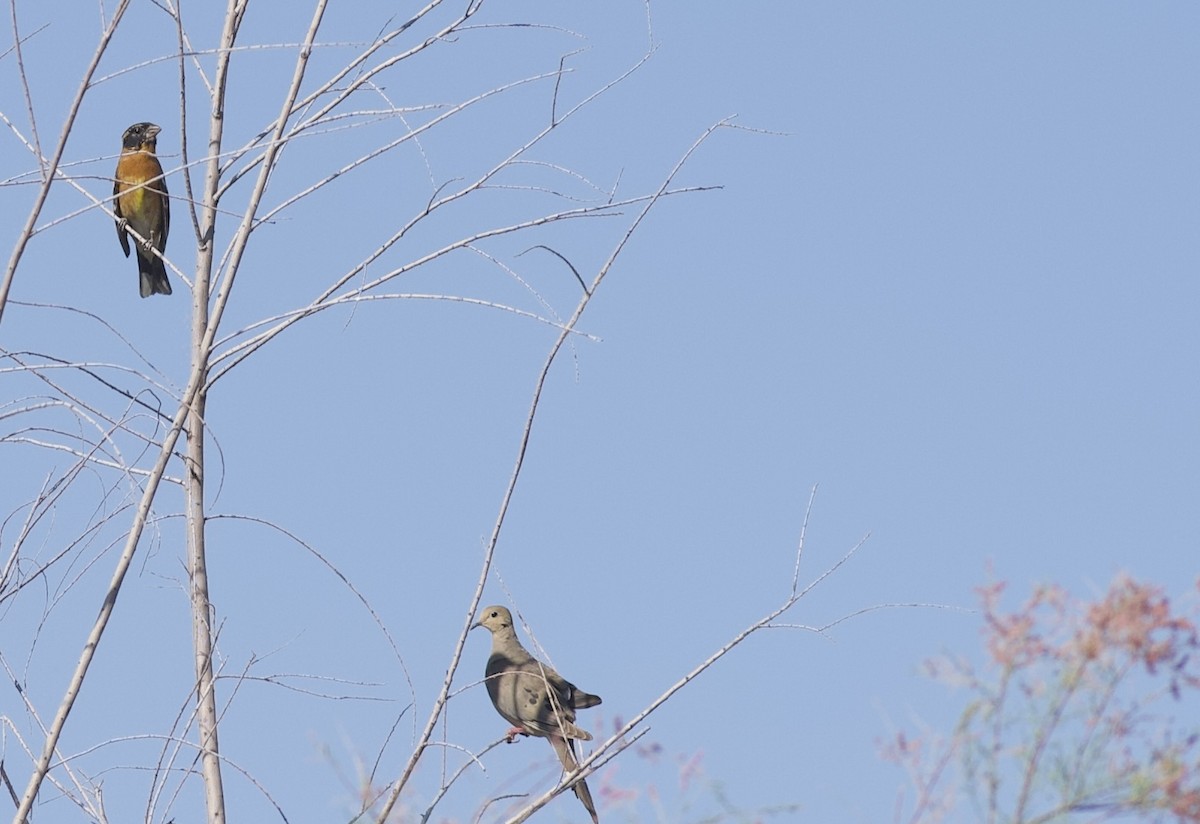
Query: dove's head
{"type": "Point", "coordinates": [494, 619]}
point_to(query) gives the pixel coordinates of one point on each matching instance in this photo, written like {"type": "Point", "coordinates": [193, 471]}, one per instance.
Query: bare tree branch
{"type": "Point", "coordinates": [51, 167]}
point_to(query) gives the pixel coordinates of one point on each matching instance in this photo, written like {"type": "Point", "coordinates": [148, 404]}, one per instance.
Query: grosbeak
{"type": "Point", "coordinates": [140, 202]}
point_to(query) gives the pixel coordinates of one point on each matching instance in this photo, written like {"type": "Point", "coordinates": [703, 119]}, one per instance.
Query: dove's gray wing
{"type": "Point", "coordinates": [534, 697]}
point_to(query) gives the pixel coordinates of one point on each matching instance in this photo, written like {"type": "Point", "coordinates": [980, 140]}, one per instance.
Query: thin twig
{"type": "Point", "coordinates": [51, 167]}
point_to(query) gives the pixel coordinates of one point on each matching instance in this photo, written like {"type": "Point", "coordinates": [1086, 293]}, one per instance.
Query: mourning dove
{"type": "Point", "coordinates": [535, 699]}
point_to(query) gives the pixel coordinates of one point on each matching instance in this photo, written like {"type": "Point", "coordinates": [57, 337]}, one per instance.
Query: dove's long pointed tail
{"type": "Point", "coordinates": [566, 754]}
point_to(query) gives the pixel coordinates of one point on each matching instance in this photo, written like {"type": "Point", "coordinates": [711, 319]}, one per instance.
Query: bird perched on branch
{"type": "Point", "coordinates": [535, 699]}
{"type": "Point", "coordinates": [140, 203]}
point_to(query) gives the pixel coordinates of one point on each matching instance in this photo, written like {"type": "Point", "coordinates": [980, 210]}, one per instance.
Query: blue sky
{"type": "Point", "coordinates": [954, 285]}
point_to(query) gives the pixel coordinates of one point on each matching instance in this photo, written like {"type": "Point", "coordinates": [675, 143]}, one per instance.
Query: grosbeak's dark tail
{"type": "Point", "coordinates": [140, 203]}
{"type": "Point", "coordinates": [153, 274]}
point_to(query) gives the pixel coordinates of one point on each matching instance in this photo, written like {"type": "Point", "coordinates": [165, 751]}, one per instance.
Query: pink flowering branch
{"type": "Point", "coordinates": [1077, 710]}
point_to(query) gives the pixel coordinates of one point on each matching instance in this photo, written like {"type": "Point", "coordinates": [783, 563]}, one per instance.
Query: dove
{"type": "Point", "coordinates": [534, 698]}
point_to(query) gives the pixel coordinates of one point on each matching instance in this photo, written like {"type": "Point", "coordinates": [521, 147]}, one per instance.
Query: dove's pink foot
{"type": "Point", "coordinates": [512, 734]}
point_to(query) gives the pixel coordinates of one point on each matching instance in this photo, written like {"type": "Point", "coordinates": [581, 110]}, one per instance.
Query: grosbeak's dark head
{"type": "Point", "coordinates": [142, 136]}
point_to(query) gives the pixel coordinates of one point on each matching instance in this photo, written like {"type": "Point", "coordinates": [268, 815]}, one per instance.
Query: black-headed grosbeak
{"type": "Point", "coordinates": [140, 201]}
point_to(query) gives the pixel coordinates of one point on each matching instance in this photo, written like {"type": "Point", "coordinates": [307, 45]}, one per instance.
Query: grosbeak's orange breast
{"type": "Point", "coordinates": [140, 201]}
